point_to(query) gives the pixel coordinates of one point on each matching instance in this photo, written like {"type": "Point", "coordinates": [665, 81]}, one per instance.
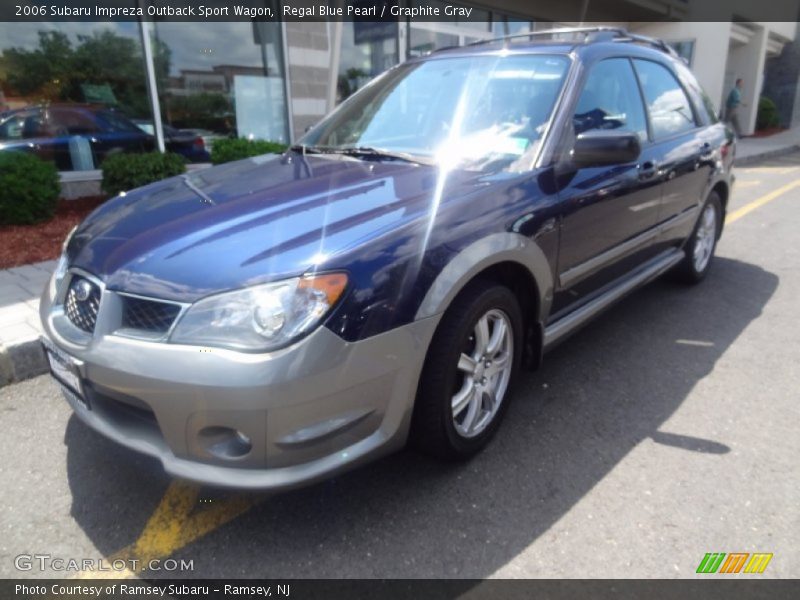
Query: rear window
{"type": "Point", "coordinates": [702, 102]}
{"type": "Point", "coordinates": [117, 122]}
{"type": "Point", "coordinates": [668, 105]}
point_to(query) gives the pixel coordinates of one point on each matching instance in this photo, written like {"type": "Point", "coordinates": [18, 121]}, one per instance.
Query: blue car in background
{"type": "Point", "coordinates": [188, 143]}
{"type": "Point", "coordinates": [74, 137]}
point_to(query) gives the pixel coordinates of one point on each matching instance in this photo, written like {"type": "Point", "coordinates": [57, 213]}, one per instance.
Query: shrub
{"type": "Point", "coordinates": [123, 172]}
{"type": "Point", "coordinates": [767, 116]}
{"type": "Point", "coordinates": [231, 149]}
{"type": "Point", "coordinates": [29, 189]}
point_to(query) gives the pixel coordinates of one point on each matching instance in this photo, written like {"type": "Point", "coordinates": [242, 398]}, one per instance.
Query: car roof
{"type": "Point", "coordinates": [61, 105]}
{"type": "Point", "coordinates": [588, 43]}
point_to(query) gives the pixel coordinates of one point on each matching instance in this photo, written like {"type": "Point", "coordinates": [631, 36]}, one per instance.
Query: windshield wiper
{"type": "Point", "coordinates": [362, 151]}
{"type": "Point", "coordinates": [305, 149]}
{"type": "Point", "coordinates": [371, 152]}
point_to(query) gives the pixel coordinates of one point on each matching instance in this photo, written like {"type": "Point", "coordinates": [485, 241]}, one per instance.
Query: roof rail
{"type": "Point", "coordinates": [591, 35]}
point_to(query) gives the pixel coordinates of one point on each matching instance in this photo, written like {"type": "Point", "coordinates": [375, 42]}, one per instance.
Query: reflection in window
{"type": "Point", "coordinates": [684, 49]}
{"type": "Point", "coordinates": [66, 66]}
{"type": "Point", "coordinates": [669, 108]}
{"type": "Point", "coordinates": [482, 113]}
{"type": "Point", "coordinates": [611, 100]}
{"type": "Point", "coordinates": [503, 26]}
{"type": "Point", "coordinates": [427, 36]}
{"type": "Point", "coordinates": [368, 48]}
{"type": "Point", "coordinates": [222, 79]}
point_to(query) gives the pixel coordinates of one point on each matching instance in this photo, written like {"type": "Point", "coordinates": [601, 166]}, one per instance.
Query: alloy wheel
{"type": "Point", "coordinates": [484, 371]}
{"type": "Point", "coordinates": [705, 238]}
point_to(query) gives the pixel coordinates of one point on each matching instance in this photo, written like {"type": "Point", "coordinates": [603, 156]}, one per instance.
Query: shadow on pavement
{"type": "Point", "coordinates": [597, 396]}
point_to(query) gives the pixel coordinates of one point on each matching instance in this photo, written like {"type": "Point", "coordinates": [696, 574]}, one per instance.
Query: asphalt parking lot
{"type": "Point", "coordinates": [665, 430]}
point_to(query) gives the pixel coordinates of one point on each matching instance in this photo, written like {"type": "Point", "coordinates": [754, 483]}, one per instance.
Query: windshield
{"type": "Point", "coordinates": [479, 112]}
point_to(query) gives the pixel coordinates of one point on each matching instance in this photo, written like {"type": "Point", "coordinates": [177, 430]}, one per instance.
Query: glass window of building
{"type": "Point", "coordinates": [427, 36]}
{"type": "Point", "coordinates": [367, 49]}
{"type": "Point", "coordinates": [684, 49]}
{"type": "Point", "coordinates": [221, 79]}
{"type": "Point", "coordinates": [424, 37]}
{"type": "Point", "coordinates": [69, 92]}
{"type": "Point", "coordinates": [504, 25]}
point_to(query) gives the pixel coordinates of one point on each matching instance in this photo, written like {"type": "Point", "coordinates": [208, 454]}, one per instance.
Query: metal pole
{"type": "Point", "coordinates": [335, 41]}
{"type": "Point", "coordinates": [287, 88]}
{"type": "Point", "coordinates": [584, 11]}
{"type": "Point", "coordinates": [144, 27]}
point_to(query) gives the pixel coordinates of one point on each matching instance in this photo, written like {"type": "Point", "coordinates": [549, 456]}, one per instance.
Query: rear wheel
{"type": "Point", "coordinates": [702, 243]}
{"type": "Point", "coordinates": [464, 386]}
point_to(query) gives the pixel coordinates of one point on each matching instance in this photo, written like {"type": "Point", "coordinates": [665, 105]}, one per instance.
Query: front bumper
{"type": "Point", "coordinates": [310, 410]}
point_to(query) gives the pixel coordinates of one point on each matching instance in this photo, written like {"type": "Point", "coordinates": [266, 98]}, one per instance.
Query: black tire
{"type": "Point", "coordinates": [432, 428]}
{"type": "Point", "coordinates": [687, 271]}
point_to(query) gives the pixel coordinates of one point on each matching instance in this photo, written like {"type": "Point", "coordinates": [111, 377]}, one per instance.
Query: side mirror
{"type": "Point", "coordinates": [605, 147]}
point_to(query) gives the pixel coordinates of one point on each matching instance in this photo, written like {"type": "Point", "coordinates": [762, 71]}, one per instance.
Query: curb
{"type": "Point", "coordinates": [753, 158]}
{"type": "Point", "coordinates": [22, 361]}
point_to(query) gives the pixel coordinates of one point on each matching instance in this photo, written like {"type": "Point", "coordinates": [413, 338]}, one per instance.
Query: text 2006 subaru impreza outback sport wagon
{"type": "Point", "coordinates": [275, 320]}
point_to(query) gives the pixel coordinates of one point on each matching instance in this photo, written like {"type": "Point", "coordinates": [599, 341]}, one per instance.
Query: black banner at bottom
{"type": "Point", "coordinates": [400, 589]}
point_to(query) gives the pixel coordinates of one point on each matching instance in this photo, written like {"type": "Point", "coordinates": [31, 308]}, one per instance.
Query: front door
{"type": "Point", "coordinates": [609, 213]}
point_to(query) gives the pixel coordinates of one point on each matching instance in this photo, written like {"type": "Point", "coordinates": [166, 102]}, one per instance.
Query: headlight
{"type": "Point", "coordinates": [264, 317]}
{"type": "Point", "coordinates": [61, 266]}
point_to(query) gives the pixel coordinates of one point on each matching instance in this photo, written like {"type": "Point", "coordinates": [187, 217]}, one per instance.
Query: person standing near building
{"type": "Point", "coordinates": [732, 105]}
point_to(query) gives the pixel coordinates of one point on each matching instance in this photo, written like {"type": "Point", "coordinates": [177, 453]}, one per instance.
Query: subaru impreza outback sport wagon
{"type": "Point", "coordinates": [272, 321]}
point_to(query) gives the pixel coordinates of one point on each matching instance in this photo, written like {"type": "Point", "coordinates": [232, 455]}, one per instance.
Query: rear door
{"type": "Point", "coordinates": [609, 213]}
{"type": "Point", "coordinates": [683, 149]}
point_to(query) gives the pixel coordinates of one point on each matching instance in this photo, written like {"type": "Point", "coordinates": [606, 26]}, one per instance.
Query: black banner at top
{"type": "Point", "coordinates": [571, 11]}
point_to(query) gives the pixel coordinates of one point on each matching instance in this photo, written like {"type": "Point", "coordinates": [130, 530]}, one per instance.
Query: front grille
{"type": "Point", "coordinates": [82, 303]}
{"type": "Point", "coordinates": [151, 316]}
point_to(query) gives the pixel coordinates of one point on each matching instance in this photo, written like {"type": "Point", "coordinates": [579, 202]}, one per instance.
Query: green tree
{"type": "Point", "coordinates": [41, 73]}
{"type": "Point", "coordinates": [56, 69]}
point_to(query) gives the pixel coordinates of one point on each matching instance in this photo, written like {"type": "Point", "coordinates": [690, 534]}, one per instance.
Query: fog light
{"type": "Point", "coordinates": [225, 442]}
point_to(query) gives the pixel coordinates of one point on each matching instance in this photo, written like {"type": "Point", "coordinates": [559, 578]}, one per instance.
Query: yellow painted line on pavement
{"type": "Point", "coordinates": [748, 208]}
{"type": "Point", "coordinates": [768, 170]}
{"type": "Point", "coordinates": [176, 522]}
{"type": "Point", "coordinates": [744, 184]}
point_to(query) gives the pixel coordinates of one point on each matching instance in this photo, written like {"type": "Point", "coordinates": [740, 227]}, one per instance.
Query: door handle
{"type": "Point", "coordinates": [648, 169]}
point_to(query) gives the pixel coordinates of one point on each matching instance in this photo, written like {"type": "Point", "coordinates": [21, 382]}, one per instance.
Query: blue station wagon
{"type": "Point", "coordinates": [270, 322]}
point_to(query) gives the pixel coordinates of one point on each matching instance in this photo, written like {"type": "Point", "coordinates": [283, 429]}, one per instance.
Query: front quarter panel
{"type": "Point", "coordinates": [416, 271]}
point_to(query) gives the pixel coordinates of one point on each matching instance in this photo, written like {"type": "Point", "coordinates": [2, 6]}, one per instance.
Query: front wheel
{"type": "Point", "coordinates": [702, 243]}
{"type": "Point", "coordinates": [465, 382]}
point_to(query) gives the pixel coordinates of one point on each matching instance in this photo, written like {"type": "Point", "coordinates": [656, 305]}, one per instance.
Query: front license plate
{"type": "Point", "coordinates": [65, 371]}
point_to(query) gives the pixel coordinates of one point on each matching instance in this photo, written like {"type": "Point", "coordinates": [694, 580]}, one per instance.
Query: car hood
{"type": "Point", "coordinates": [248, 222]}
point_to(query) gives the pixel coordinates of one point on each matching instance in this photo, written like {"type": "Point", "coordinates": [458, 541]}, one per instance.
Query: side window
{"type": "Point", "coordinates": [71, 122]}
{"type": "Point", "coordinates": [11, 128]}
{"type": "Point", "coordinates": [669, 108]}
{"type": "Point", "coordinates": [611, 100]}
{"type": "Point", "coordinates": [703, 104]}
{"type": "Point", "coordinates": [34, 126]}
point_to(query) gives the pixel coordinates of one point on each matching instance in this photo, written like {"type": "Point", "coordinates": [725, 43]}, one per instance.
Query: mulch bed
{"type": "Point", "coordinates": [768, 132]}
{"type": "Point", "coordinates": [25, 244]}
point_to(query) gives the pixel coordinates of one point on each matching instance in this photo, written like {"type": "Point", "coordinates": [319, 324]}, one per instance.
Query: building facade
{"type": "Point", "coordinates": [274, 80]}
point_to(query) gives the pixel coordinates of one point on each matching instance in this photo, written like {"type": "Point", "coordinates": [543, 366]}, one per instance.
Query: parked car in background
{"type": "Point", "coordinates": [209, 137]}
{"type": "Point", "coordinates": [185, 142]}
{"type": "Point", "coordinates": [272, 321]}
{"type": "Point", "coordinates": [73, 136]}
